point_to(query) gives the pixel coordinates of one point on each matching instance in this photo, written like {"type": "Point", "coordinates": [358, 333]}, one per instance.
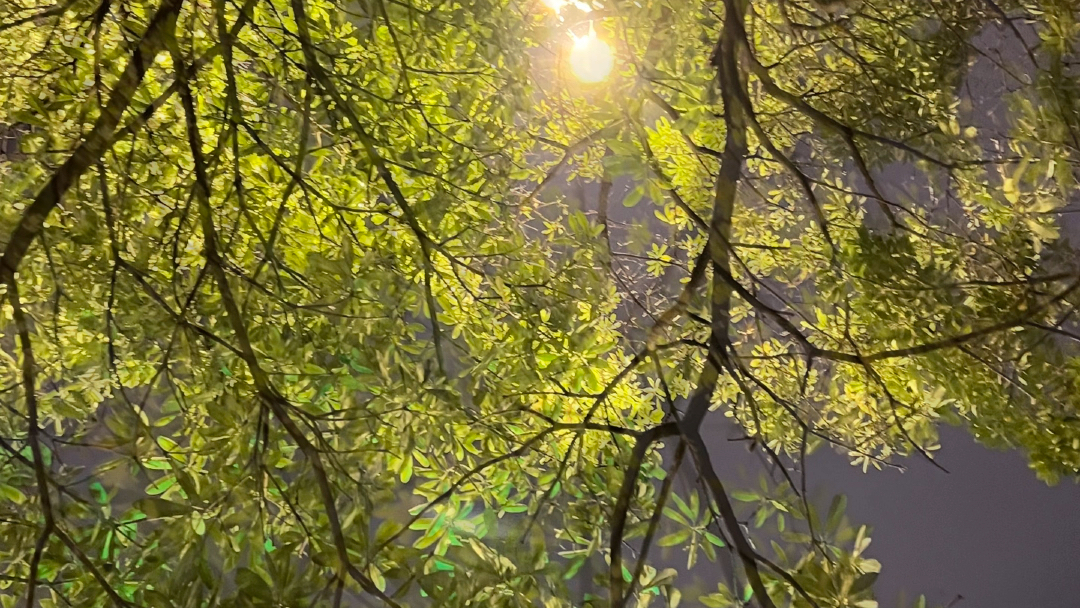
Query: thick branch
{"type": "Point", "coordinates": [622, 506]}
{"type": "Point", "coordinates": [269, 395]}
{"type": "Point", "coordinates": [96, 143]}
{"type": "Point", "coordinates": [34, 436]}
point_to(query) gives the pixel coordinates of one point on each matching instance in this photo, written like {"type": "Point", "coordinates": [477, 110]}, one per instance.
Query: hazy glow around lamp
{"type": "Point", "coordinates": [591, 59]}
{"type": "Point", "coordinates": [555, 5]}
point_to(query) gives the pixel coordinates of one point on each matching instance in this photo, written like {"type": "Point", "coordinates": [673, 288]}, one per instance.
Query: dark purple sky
{"type": "Point", "coordinates": [988, 530]}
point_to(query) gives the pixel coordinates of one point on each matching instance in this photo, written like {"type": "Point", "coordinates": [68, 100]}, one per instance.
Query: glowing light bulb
{"type": "Point", "coordinates": [558, 5]}
{"type": "Point", "coordinates": [591, 59]}
{"type": "Point", "coordinates": [555, 5]}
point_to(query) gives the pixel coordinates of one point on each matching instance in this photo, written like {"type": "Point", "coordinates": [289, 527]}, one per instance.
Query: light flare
{"type": "Point", "coordinates": [591, 59]}
{"type": "Point", "coordinates": [555, 5]}
{"type": "Point", "coordinates": [558, 5]}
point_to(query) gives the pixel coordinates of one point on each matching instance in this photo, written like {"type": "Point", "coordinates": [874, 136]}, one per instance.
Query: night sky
{"type": "Point", "coordinates": [988, 531]}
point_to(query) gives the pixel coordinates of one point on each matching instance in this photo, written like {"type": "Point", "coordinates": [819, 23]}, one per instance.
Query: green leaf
{"type": "Point", "coordinates": [575, 566]}
{"type": "Point", "coordinates": [161, 485]}
{"type": "Point", "coordinates": [377, 577]}
{"type": "Point", "coordinates": [98, 491]}
{"type": "Point", "coordinates": [836, 512]}
{"type": "Point", "coordinates": [743, 496]}
{"type": "Point", "coordinates": [675, 515]}
{"type": "Point", "coordinates": [675, 538]}
{"type": "Point", "coordinates": [251, 583]}
{"type": "Point", "coordinates": [387, 529]}
{"type": "Point", "coordinates": [715, 600]}
{"type": "Point", "coordinates": [155, 507]}
{"type": "Point", "coordinates": [714, 539]}
{"type": "Point", "coordinates": [443, 566]}
{"type": "Point", "coordinates": [864, 582]}
{"type": "Point", "coordinates": [11, 493]}
{"type": "Point", "coordinates": [633, 197]}
{"type": "Point", "coordinates": [683, 507]}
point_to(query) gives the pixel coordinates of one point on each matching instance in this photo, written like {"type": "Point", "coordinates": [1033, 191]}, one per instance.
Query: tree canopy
{"type": "Point", "coordinates": [336, 302]}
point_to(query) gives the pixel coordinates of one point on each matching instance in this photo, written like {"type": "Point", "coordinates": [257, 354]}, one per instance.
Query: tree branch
{"type": "Point", "coordinates": [100, 138]}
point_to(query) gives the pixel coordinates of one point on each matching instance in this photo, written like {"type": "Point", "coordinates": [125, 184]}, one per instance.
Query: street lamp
{"type": "Point", "coordinates": [556, 5]}
{"type": "Point", "coordinates": [591, 59]}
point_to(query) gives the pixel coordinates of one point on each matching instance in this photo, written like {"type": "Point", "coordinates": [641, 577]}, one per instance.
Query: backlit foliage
{"type": "Point", "coordinates": [336, 302]}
